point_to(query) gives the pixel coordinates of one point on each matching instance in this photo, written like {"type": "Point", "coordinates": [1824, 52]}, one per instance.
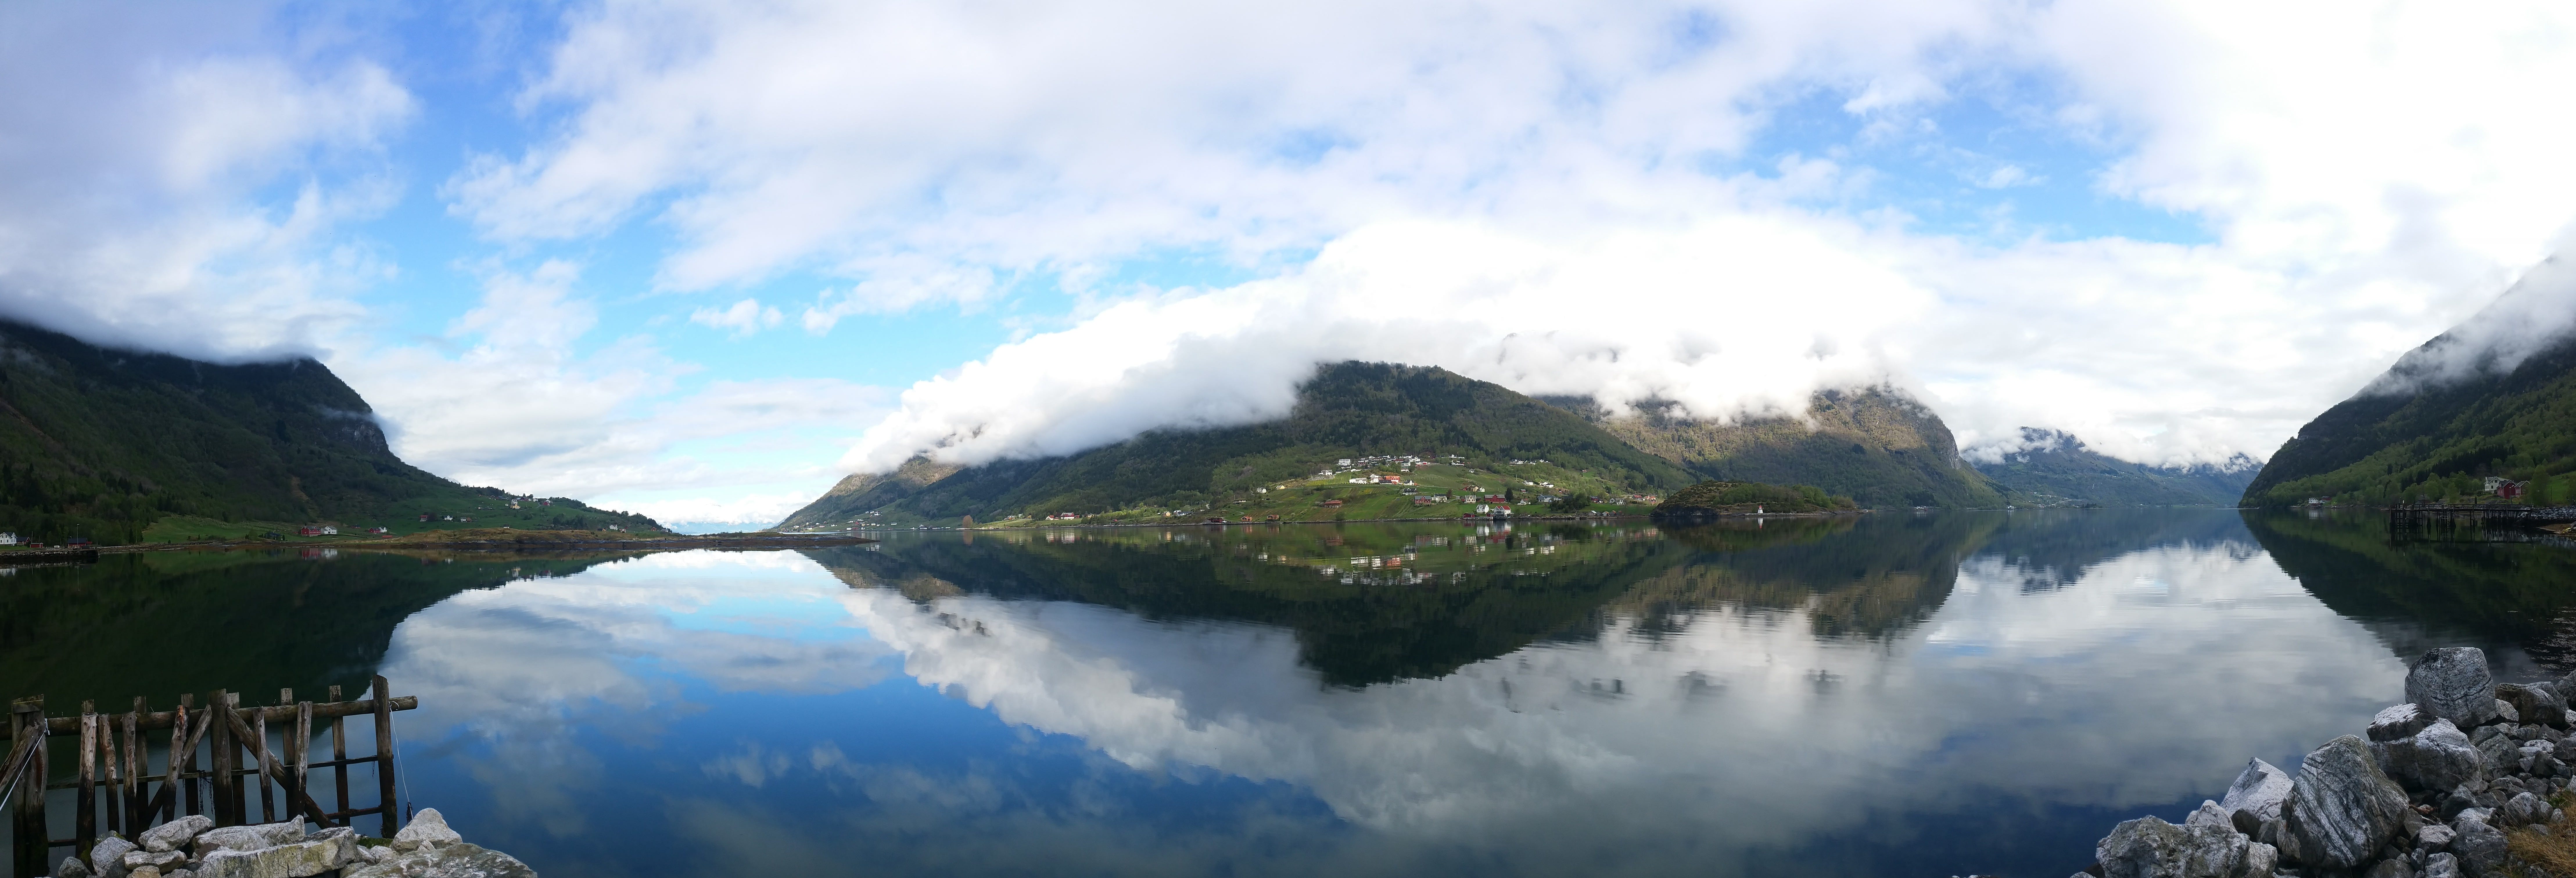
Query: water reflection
{"type": "Point", "coordinates": [1886, 695]}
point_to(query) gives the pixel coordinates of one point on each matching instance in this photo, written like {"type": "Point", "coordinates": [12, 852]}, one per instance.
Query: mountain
{"type": "Point", "coordinates": [1874, 445]}
{"type": "Point", "coordinates": [2473, 402]}
{"type": "Point", "coordinates": [2054, 468]}
{"type": "Point", "coordinates": [1348, 410]}
{"type": "Point", "coordinates": [104, 444]}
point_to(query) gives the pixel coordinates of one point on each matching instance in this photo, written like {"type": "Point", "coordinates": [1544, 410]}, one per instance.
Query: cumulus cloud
{"type": "Point", "coordinates": [175, 176]}
{"type": "Point", "coordinates": [894, 142]}
{"type": "Point", "coordinates": [1757, 317]}
{"type": "Point", "coordinates": [2365, 181]}
{"type": "Point", "coordinates": [744, 318]}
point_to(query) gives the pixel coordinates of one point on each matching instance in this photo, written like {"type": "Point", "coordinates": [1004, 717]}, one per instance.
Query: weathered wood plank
{"type": "Point", "coordinates": [385, 755]}
{"type": "Point", "coordinates": [340, 756]}
{"type": "Point", "coordinates": [27, 821]}
{"type": "Point", "coordinates": [312, 810]}
{"type": "Point", "coordinates": [226, 756]}
{"type": "Point", "coordinates": [153, 722]}
{"type": "Point", "coordinates": [85, 820]}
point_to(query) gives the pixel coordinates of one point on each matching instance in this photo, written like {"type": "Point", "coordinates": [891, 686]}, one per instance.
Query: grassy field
{"type": "Point", "coordinates": [402, 519]}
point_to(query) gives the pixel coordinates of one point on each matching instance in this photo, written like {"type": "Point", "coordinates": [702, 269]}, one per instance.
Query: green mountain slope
{"type": "Point", "coordinates": [2056, 469]}
{"type": "Point", "coordinates": [2441, 419]}
{"type": "Point", "coordinates": [101, 443]}
{"type": "Point", "coordinates": [1348, 410]}
{"type": "Point", "coordinates": [1875, 446]}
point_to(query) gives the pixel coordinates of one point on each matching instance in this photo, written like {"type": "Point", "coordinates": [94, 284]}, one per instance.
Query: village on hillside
{"type": "Point", "coordinates": [1379, 487]}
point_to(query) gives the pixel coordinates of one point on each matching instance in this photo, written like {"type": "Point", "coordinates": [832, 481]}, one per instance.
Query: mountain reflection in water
{"type": "Point", "coordinates": [1898, 694]}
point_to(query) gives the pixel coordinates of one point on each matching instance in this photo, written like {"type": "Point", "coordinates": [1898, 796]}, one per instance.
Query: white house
{"type": "Point", "coordinates": [8, 539]}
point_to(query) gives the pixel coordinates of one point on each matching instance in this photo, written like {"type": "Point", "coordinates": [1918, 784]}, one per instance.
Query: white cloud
{"type": "Point", "coordinates": [2369, 179]}
{"type": "Point", "coordinates": [743, 319]}
{"type": "Point", "coordinates": [896, 142]}
{"type": "Point", "coordinates": [175, 176]}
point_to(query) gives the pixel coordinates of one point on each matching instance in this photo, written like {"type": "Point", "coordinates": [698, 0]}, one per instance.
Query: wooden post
{"type": "Point", "coordinates": [227, 799]}
{"type": "Point", "coordinates": [27, 829]}
{"type": "Point", "coordinates": [340, 760]}
{"type": "Point", "coordinates": [110, 781]}
{"type": "Point", "coordinates": [179, 740]}
{"type": "Point", "coordinates": [137, 764]}
{"type": "Point", "coordinates": [267, 766]}
{"type": "Point", "coordinates": [300, 748]}
{"type": "Point", "coordinates": [85, 820]}
{"type": "Point", "coordinates": [385, 756]}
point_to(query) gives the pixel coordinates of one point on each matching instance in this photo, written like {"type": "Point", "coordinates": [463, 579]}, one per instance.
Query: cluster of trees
{"type": "Point", "coordinates": [1722, 497]}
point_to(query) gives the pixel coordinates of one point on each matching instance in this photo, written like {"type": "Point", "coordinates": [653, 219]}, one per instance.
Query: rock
{"type": "Point", "coordinates": [107, 855]}
{"type": "Point", "coordinates": [250, 838]}
{"type": "Point", "coordinates": [72, 867]}
{"type": "Point", "coordinates": [461, 860]}
{"type": "Point", "coordinates": [2480, 847]}
{"type": "Point", "coordinates": [2524, 809]}
{"type": "Point", "coordinates": [2434, 837]}
{"type": "Point", "coordinates": [2342, 808]}
{"type": "Point", "coordinates": [2453, 683]}
{"type": "Point", "coordinates": [2505, 713]}
{"type": "Point", "coordinates": [2441, 866]}
{"type": "Point", "coordinates": [2148, 847]}
{"type": "Point", "coordinates": [375, 854]}
{"type": "Point", "coordinates": [2209, 814]}
{"type": "Point", "coordinates": [428, 828]}
{"type": "Point", "coordinates": [145, 872]}
{"type": "Point", "coordinates": [2261, 860]}
{"type": "Point", "coordinates": [2535, 704]}
{"type": "Point", "coordinates": [158, 860]}
{"type": "Point", "coordinates": [2399, 722]}
{"type": "Point", "coordinates": [2499, 754]}
{"type": "Point", "coordinates": [2390, 869]}
{"type": "Point", "coordinates": [2435, 757]}
{"type": "Point", "coordinates": [296, 860]}
{"type": "Point", "coordinates": [176, 833]}
{"type": "Point", "coordinates": [2258, 790]}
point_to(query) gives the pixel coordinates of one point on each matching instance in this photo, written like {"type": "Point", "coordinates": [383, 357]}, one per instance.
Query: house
{"type": "Point", "coordinates": [380, 530]}
{"type": "Point", "coordinates": [329, 530]}
{"type": "Point", "coordinates": [308, 531]}
{"type": "Point", "coordinates": [8, 539]}
{"type": "Point", "coordinates": [2510, 490]}
{"type": "Point", "coordinates": [1426, 499]}
{"type": "Point", "coordinates": [424, 516]}
{"type": "Point", "coordinates": [76, 542]}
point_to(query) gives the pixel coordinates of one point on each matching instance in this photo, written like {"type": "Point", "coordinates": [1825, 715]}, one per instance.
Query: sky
{"type": "Point", "coordinates": [701, 259]}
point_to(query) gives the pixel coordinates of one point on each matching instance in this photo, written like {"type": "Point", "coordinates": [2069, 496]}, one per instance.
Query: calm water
{"type": "Point", "coordinates": [1893, 695]}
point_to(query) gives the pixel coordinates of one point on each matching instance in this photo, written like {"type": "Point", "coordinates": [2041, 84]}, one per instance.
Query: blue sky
{"type": "Point", "coordinates": [701, 259]}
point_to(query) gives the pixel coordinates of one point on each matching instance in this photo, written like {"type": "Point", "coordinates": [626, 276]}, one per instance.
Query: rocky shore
{"type": "Point", "coordinates": [191, 847]}
{"type": "Point", "coordinates": [2465, 780]}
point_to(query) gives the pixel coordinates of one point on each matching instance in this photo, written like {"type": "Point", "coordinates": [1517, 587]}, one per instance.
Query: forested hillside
{"type": "Point", "coordinates": [101, 443]}
{"type": "Point", "coordinates": [2433, 428]}
{"type": "Point", "coordinates": [1347, 410]}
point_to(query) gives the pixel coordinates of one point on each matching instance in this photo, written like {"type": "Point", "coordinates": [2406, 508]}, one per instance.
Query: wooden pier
{"type": "Point", "coordinates": [114, 784]}
{"type": "Point", "coordinates": [2454, 522]}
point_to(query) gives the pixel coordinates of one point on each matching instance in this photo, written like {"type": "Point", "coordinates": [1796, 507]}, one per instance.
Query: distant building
{"type": "Point", "coordinates": [8, 539]}
{"type": "Point", "coordinates": [330, 530]}
{"type": "Point", "coordinates": [1342, 462]}
{"type": "Point", "coordinates": [308, 531]}
{"type": "Point", "coordinates": [424, 516]}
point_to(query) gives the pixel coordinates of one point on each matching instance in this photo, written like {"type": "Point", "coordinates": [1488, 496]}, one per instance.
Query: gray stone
{"type": "Point", "coordinates": [145, 872]}
{"type": "Point", "coordinates": [72, 867]}
{"type": "Point", "coordinates": [461, 860]}
{"type": "Point", "coordinates": [2261, 860]}
{"type": "Point", "coordinates": [2453, 684]}
{"type": "Point", "coordinates": [2148, 847]}
{"type": "Point", "coordinates": [2209, 814]}
{"type": "Point", "coordinates": [2535, 704]}
{"type": "Point", "coordinates": [2399, 722]}
{"type": "Point", "coordinates": [427, 828]}
{"type": "Point", "coordinates": [2480, 847]}
{"type": "Point", "coordinates": [107, 855]}
{"type": "Point", "coordinates": [2436, 757]}
{"type": "Point", "coordinates": [2390, 869]}
{"type": "Point", "coordinates": [250, 838]}
{"type": "Point", "coordinates": [158, 860]}
{"type": "Point", "coordinates": [2434, 837]}
{"type": "Point", "coordinates": [2524, 809]}
{"type": "Point", "coordinates": [2500, 754]}
{"type": "Point", "coordinates": [2258, 790]}
{"type": "Point", "coordinates": [2342, 808]}
{"type": "Point", "coordinates": [298, 860]}
{"type": "Point", "coordinates": [175, 834]}
{"type": "Point", "coordinates": [2505, 713]}
{"type": "Point", "coordinates": [2441, 866]}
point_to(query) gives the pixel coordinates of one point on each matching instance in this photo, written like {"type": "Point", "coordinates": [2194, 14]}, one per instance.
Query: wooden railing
{"type": "Point", "coordinates": [115, 782]}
